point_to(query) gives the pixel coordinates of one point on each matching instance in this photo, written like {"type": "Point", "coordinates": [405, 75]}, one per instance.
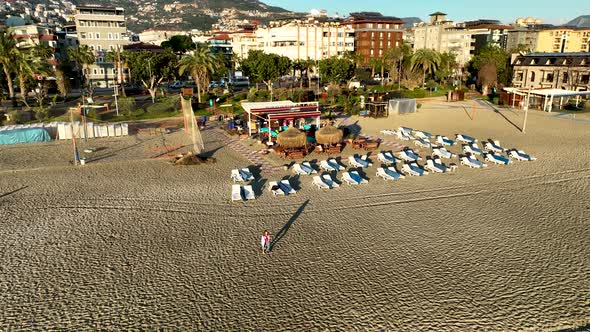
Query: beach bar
{"type": "Point", "coordinates": [275, 112]}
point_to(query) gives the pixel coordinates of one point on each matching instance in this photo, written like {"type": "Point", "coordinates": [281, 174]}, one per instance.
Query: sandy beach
{"type": "Point", "coordinates": [129, 242]}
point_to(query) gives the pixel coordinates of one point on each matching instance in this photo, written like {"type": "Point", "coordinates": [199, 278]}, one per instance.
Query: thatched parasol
{"type": "Point", "coordinates": [328, 135]}
{"type": "Point", "coordinates": [292, 138]}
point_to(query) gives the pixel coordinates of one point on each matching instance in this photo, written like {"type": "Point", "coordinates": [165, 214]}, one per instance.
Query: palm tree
{"type": "Point", "coordinates": [427, 59]}
{"type": "Point", "coordinates": [394, 59]}
{"type": "Point", "coordinates": [83, 56]}
{"type": "Point", "coordinates": [200, 63]}
{"type": "Point", "coordinates": [8, 54]}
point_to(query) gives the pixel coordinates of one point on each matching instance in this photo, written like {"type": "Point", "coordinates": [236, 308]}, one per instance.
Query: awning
{"type": "Point", "coordinates": [293, 115]}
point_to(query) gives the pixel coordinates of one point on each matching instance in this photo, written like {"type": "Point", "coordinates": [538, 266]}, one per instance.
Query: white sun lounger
{"type": "Point", "coordinates": [236, 192]}
{"type": "Point", "coordinates": [329, 181]}
{"type": "Point", "coordinates": [359, 162]}
{"type": "Point", "coordinates": [246, 174]}
{"type": "Point", "coordinates": [497, 159]}
{"type": "Point", "coordinates": [423, 143]}
{"type": "Point", "coordinates": [300, 170]}
{"type": "Point", "coordinates": [334, 163]}
{"type": "Point", "coordinates": [391, 171]}
{"type": "Point", "coordinates": [249, 192]}
{"type": "Point", "coordinates": [236, 176]}
{"type": "Point", "coordinates": [413, 169]}
{"type": "Point", "coordinates": [317, 180]}
{"type": "Point", "coordinates": [348, 179]}
{"type": "Point", "coordinates": [353, 177]}
{"type": "Point", "coordinates": [386, 158]}
{"type": "Point", "coordinates": [307, 167]}
{"type": "Point", "coordinates": [472, 148]}
{"type": "Point", "coordinates": [436, 168]}
{"type": "Point", "coordinates": [472, 162]}
{"type": "Point", "coordinates": [422, 134]}
{"type": "Point", "coordinates": [406, 130]}
{"type": "Point", "coordinates": [381, 173]}
{"type": "Point", "coordinates": [442, 153]}
{"type": "Point", "coordinates": [445, 140]}
{"type": "Point", "coordinates": [409, 155]}
{"type": "Point", "coordinates": [402, 135]}
{"type": "Point", "coordinates": [324, 165]}
{"type": "Point", "coordinates": [465, 138]}
{"type": "Point", "coordinates": [493, 146]}
{"type": "Point", "coordinates": [388, 132]}
{"type": "Point", "coordinates": [286, 187]}
{"type": "Point", "coordinates": [277, 191]}
{"type": "Point", "coordinates": [520, 155]}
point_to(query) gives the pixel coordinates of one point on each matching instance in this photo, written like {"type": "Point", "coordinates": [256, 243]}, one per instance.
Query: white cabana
{"type": "Point", "coordinates": [549, 95]}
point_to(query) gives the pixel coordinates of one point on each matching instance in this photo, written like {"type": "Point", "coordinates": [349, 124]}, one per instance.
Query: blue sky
{"type": "Point", "coordinates": [551, 11]}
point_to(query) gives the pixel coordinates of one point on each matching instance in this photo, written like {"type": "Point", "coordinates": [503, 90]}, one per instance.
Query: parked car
{"type": "Point", "coordinates": [238, 83]}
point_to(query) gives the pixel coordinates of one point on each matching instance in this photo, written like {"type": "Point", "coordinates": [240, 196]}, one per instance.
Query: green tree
{"type": "Point", "coordinates": [335, 69]}
{"type": "Point", "coordinates": [83, 57]}
{"type": "Point", "coordinates": [493, 63]}
{"type": "Point", "coordinates": [427, 60]}
{"type": "Point", "coordinates": [200, 64]}
{"type": "Point", "coordinates": [265, 68]}
{"type": "Point", "coordinates": [8, 53]}
{"type": "Point", "coordinates": [179, 44]}
{"type": "Point", "coordinates": [394, 60]}
{"type": "Point", "coordinates": [448, 65]}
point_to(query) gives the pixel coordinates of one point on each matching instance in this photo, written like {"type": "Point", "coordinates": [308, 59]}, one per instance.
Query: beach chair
{"type": "Point", "coordinates": [494, 146]}
{"type": "Point", "coordinates": [445, 140]}
{"type": "Point", "coordinates": [236, 176]}
{"type": "Point", "coordinates": [403, 136]}
{"type": "Point", "coordinates": [386, 158]}
{"type": "Point", "coordinates": [325, 166]}
{"type": "Point", "coordinates": [388, 132]}
{"type": "Point", "coordinates": [246, 174]}
{"type": "Point", "coordinates": [472, 148]}
{"type": "Point", "coordinates": [307, 167]}
{"type": "Point", "coordinates": [362, 162]}
{"type": "Point", "coordinates": [274, 187]}
{"type": "Point", "coordinates": [472, 162]}
{"type": "Point", "coordinates": [356, 176]}
{"type": "Point", "coordinates": [496, 158]}
{"type": "Point", "coordinates": [346, 178]}
{"type": "Point", "coordinates": [334, 163]}
{"type": "Point", "coordinates": [249, 192]}
{"type": "Point", "coordinates": [408, 154]}
{"type": "Point", "coordinates": [422, 134]}
{"type": "Point", "coordinates": [413, 169]}
{"type": "Point", "coordinates": [442, 153]}
{"type": "Point", "coordinates": [391, 171]}
{"type": "Point", "coordinates": [236, 192]}
{"type": "Point", "coordinates": [437, 162]}
{"type": "Point", "coordinates": [436, 168]}
{"type": "Point", "coordinates": [300, 170]}
{"type": "Point", "coordinates": [520, 155]}
{"type": "Point", "coordinates": [382, 174]}
{"type": "Point", "coordinates": [465, 138]}
{"type": "Point", "coordinates": [423, 143]}
{"type": "Point", "coordinates": [317, 180]}
{"type": "Point", "coordinates": [406, 130]}
{"type": "Point", "coordinates": [329, 181]}
{"type": "Point", "coordinates": [285, 186]}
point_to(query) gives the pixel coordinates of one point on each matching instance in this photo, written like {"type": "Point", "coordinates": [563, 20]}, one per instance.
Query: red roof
{"type": "Point", "coordinates": [220, 37]}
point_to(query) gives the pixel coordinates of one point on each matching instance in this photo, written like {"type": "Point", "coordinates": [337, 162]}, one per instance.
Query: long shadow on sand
{"type": "Point", "coordinates": [500, 113]}
{"type": "Point", "coordinates": [13, 192]}
{"type": "Point", "coordinates": [286, 227]}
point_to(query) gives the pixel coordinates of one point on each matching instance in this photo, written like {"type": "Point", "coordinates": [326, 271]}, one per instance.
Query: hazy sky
{"type": "Point", "coordinates": [551, 11]}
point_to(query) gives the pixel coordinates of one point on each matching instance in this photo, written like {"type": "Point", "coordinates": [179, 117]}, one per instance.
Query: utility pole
{"type": "Point", "coordinates": [115, 80]}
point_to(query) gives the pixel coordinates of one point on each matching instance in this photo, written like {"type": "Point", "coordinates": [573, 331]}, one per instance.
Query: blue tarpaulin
{"type": "Point", "coordinates": [24, 135]}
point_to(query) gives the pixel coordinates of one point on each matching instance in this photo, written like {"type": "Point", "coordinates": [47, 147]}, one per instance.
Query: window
{"type": "Point", "coordinates": [92, 47]}
{"type": "Point", "coordinates": [532, 76]}
{"type": "Point", "coordinates": [372, 51]}
{"type": "Point", "coordinates": [519, 76]}
{"type": "Point", "coordinates": [379, 26]}
{"type": "Point", "coordinates": [585, 79]}
{"type": "Point", "coordinates": [90, 35]}
{"type": "Point", "coordinates": [565, 77]}
{"type": "Point", "coordinates": [99, 59]}
{"type": "Point", "coordinates": [549, 77]}
{"type": "Point", "coordinates": [97, 35]}
{"type": "Point", "coordinates": [110, 36]}
{"type": "Point", "coordinates": [117, 35]}
{"type": "Point", "coordinates": [95, 71]}
{"type": "Point", "coordinates": [82, 35]}
{"type": "Point", "coordinates": [102, 71]}
{"type": "Point", "coordinates": [98, 48]}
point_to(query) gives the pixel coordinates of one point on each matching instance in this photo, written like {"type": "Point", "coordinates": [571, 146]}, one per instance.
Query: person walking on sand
{"type": "Point", "coordinates": [267, 241]}
{"type": "Point", "coordinates": [263, 241]}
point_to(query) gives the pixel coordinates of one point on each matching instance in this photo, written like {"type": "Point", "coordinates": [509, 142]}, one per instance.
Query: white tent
{"type": "Point", "coordinates": [549, 95]}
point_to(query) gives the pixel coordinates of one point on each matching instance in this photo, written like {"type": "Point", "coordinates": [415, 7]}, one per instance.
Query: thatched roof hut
{"type": "Point", "coordinates": [292, 138]}
{"type": "Point", "coordinates": [328, 135]}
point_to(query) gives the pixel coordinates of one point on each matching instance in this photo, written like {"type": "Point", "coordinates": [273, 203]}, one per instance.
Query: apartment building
{"type": "Point", "coordinates": [103, 29]}
{"type": "Point", "coordinates": [316, 38]}
{"type": "Point", "coordinates": [375, 34]}
{"type": "Point", "coordinates": [522, 37]}
{"type": "Point", "coordinates": [563, 40]}
{"type": "Point", "coordinates": [570, 71]}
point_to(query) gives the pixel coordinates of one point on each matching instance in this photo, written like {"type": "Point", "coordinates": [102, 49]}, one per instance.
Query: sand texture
{"type": "Point", "coordinates": [132, 243]}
